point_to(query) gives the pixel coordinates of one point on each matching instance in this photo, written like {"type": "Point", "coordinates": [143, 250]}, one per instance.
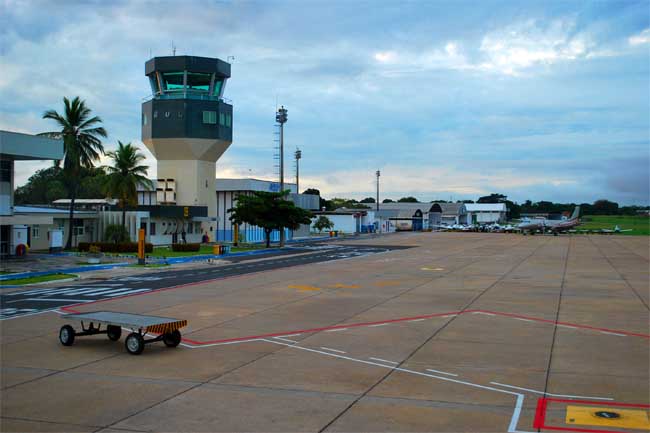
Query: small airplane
{"type": "Point", "coordinates": [554, 226]}
{"type": "Point", "coordinates": [615, 230]}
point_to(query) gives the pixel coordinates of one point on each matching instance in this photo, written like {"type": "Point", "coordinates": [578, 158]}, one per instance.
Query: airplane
{"type": "Point", "coordinates": [617, 229]}
{"type": "Point", "coordinates": [554, 226]}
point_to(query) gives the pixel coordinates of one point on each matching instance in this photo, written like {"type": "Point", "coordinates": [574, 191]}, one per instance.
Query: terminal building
{"type": "Point", "coordinates": [15, 222]}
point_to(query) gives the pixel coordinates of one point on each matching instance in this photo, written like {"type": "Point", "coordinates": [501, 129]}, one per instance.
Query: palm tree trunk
{"type": "Point", "coordinates": [73, 193]}
{"type": "Point", "coordinates": [124, 223]}
{"type": "Point", "coordinates": [267, 233]}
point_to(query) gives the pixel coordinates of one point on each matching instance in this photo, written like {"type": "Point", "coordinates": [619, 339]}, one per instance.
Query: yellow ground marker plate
{"type": "Point", "coordinates": [432, 269]}
{"type": "Point", "coordinates": [608, 417]}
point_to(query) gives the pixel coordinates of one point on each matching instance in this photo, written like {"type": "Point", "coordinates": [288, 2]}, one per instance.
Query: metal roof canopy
{"type": "Point", "coordinates": [25, 147]}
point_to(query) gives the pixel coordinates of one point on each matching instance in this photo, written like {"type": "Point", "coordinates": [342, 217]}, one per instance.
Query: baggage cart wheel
{"type": "Point", "coordinates": [134, 343]}
{"type": "Point", "coordinates": [114, 332]}
{"type": "Point", "coordinates": [172, 339]}
{"type": "Point", "coordinates": [66, 335]}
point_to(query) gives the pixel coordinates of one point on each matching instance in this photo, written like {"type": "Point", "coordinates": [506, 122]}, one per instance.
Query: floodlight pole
{"type": "Point", "coordinates": [298, 155]}
{"type": "Point", "coordinates": [377, 202]}
{"type": "Point", "coordinates": [281, 118]}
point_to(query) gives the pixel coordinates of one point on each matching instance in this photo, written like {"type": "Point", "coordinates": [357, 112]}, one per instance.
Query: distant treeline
{"type": "Point", "coordinates": [48, 184]}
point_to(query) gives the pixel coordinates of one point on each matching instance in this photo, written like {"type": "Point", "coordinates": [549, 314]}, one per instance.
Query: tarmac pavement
{"type": "Point", "coordinates": [459, 332]}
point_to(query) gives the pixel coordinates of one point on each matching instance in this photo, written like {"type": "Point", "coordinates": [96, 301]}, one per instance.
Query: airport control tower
{"type": "Point", "coordinates": [187, 126]}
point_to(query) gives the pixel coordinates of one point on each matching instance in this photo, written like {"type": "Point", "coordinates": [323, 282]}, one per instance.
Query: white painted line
{"type": "Point", "coordinates": [56, 300]}
{"type": "Point", "coordinates": [416, 320]}
{"type": "Point", "coordinates": [566, 326]}
{"type": "Point", "coordinates": [286, 339]}
{"type": "Point", "coordinates": [127, 292]}
{"type": "Point", "coordinates": [441, 372]}
{"type": "Point", "coordinates": [485, 314]}
{"type": "Point", "coordinates": [518, 405]}
{"type": "Point", "coordinates": [548, 393]}
{"type": "Point", "coordinates": [523, 320]}
{"type": "Point", "coordinates": [613, 333]}
{"type": "Point", "coordinates": [377, 325]}
{"type": "Point", "coordinates": [192, 346]}
{"type": "Point", "coordinates": [291, 335]}
{"type": "Point", "coordinates": [449, 315]}
{"type": "Point", "coordinates": [336, 330]}
{"type": "Point", "coordinates": [384, 360]}
{"type": "Point", "coordinates": [333, 350]}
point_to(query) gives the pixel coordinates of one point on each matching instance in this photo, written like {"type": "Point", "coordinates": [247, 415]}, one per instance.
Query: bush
{"type": "Point", "coordinates": [186, 247]}
{"type": "Point", "coordinates": [116, 233]}
{"type": "Point", "coordinates": [110, 247]}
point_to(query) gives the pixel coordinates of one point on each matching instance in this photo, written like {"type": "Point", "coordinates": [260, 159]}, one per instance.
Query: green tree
{"type": "Point", "coordinates": [125, 175]}
{"type": "Point", "coordinates": [49, 184]}
{"type": "Point", "coordinates": [409, 199]}
{"type": "Point", "coordinates": [492, 198]}
{"type": "Point", "coordinates": [270, 211]}
{"type": "Point", "coordinates": [367, 200]}
{"type": "Point", "coordinates": [82, 145]}
{"type": "Point", "coordinates": [387, 200]}
{"type": "Point", "coordinates": [323, 223]}
{"type": "Point", "coordinates": [116, 233]}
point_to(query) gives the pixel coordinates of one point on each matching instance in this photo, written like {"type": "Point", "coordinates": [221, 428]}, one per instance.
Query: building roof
{"type": "Point", "coordinates": [250, 184]}
{"type": "Point", "coordinates": [449, 209]}
{"type": "Point", "coordinates": [485, 207]}
{"type": "Point", "coordinates": [86, 201]}
{"type": "Point", "coordinates": [19, 146]}
{"type": "Point", "coordinates": [49, 210]}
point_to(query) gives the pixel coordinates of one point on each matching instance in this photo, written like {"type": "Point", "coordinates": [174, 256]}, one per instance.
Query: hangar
{"type": "Point", "coordinates": [486, 213]}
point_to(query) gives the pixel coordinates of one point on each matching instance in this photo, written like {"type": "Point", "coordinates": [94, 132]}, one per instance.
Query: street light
{"type": "Point", "coordinates": [377, 202]}
{"type": "Point", "coordinates": [298, 155]}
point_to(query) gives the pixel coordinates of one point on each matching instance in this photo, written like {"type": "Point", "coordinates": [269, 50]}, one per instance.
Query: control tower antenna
{"type": "Point", "coordinates": [298, 155]}
{"type": "Point", "coordinates": [173, 49]}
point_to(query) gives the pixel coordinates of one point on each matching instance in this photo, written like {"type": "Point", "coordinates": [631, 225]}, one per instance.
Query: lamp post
{"type": "Point", "coordinates": [377, 202]}
{"type": "Point", "coordinates": [281, 118]}
{"type": "Point", "coordinates": [298, 155]}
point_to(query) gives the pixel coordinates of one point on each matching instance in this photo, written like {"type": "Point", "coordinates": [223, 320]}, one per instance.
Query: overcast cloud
{"type": "Point", "coordinates": [536, 100]}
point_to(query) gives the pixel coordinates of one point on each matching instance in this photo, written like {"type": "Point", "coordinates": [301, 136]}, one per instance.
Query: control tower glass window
{"type": "Point", "coordinates": [198, 82]}
{"type": "Point", "coordinates": [218, 84]}
{"type": "Point", "coordinates": [173, 81]}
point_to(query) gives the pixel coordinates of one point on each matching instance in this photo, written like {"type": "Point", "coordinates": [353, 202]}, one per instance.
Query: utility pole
{"type": "Point", "coordinates": [298, 155]}
{"type": "Point", "coordinates": [281, 118]}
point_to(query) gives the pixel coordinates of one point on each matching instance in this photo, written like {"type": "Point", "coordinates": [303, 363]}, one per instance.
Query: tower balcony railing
{"type": "Point", "coordinates": [186, 94]}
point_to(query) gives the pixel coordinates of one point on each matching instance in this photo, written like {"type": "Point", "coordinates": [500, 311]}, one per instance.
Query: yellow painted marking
{"type": "Point", "coordinates": [304, 288]}
{"type": "Point", "coordinates": [346, 286]}
{"type": "Point", "coordinates": [629, 418]}
{"type": "Point", "coordinates": [432, 269]}
{"type": "Point", "coordinates": [387, 283]}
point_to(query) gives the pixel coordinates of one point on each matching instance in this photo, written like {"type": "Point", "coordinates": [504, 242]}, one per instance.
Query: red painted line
{"type": "Point", "coordinates": [542, 404]}
{"type": "Point", "coordinates": [71, 309]}
{"type": "Point", "coordinates": [568, 324]}
{"type": "Point", "coordinates": [312, 330]}
{"type": "Point", "coordinates": [540, 413]}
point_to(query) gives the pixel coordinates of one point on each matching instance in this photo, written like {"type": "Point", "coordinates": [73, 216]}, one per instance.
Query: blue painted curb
{"type": "Point", "coordinates": [169, 260]}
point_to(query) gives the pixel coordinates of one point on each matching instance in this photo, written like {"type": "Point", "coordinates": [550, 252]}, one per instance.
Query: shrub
{"type": "Point", "coordinates": [185, 247]}
{"type": "Point", "coordinates": [116, 233]}
{"type": "Point", "coordinates": [110, 247]}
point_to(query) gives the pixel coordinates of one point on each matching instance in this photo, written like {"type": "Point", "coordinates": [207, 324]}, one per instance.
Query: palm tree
{"type": "Point", "coordinates": [81, 145]}
{"type": "Point", "coordinates": [125, 175]}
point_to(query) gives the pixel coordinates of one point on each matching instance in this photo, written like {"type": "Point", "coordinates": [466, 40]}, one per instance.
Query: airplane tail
{"type": "Point", "coordinates": [575, 214]}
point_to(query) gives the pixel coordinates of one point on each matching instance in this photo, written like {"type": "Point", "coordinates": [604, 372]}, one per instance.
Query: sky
{"type": "Point", "coordinates": [449, 99]}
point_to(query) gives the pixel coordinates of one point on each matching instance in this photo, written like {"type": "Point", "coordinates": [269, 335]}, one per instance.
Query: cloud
{"type": "Point", "coordinates": [538, 101]}
{"type": "Point", "coordinates": [641, 38]}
